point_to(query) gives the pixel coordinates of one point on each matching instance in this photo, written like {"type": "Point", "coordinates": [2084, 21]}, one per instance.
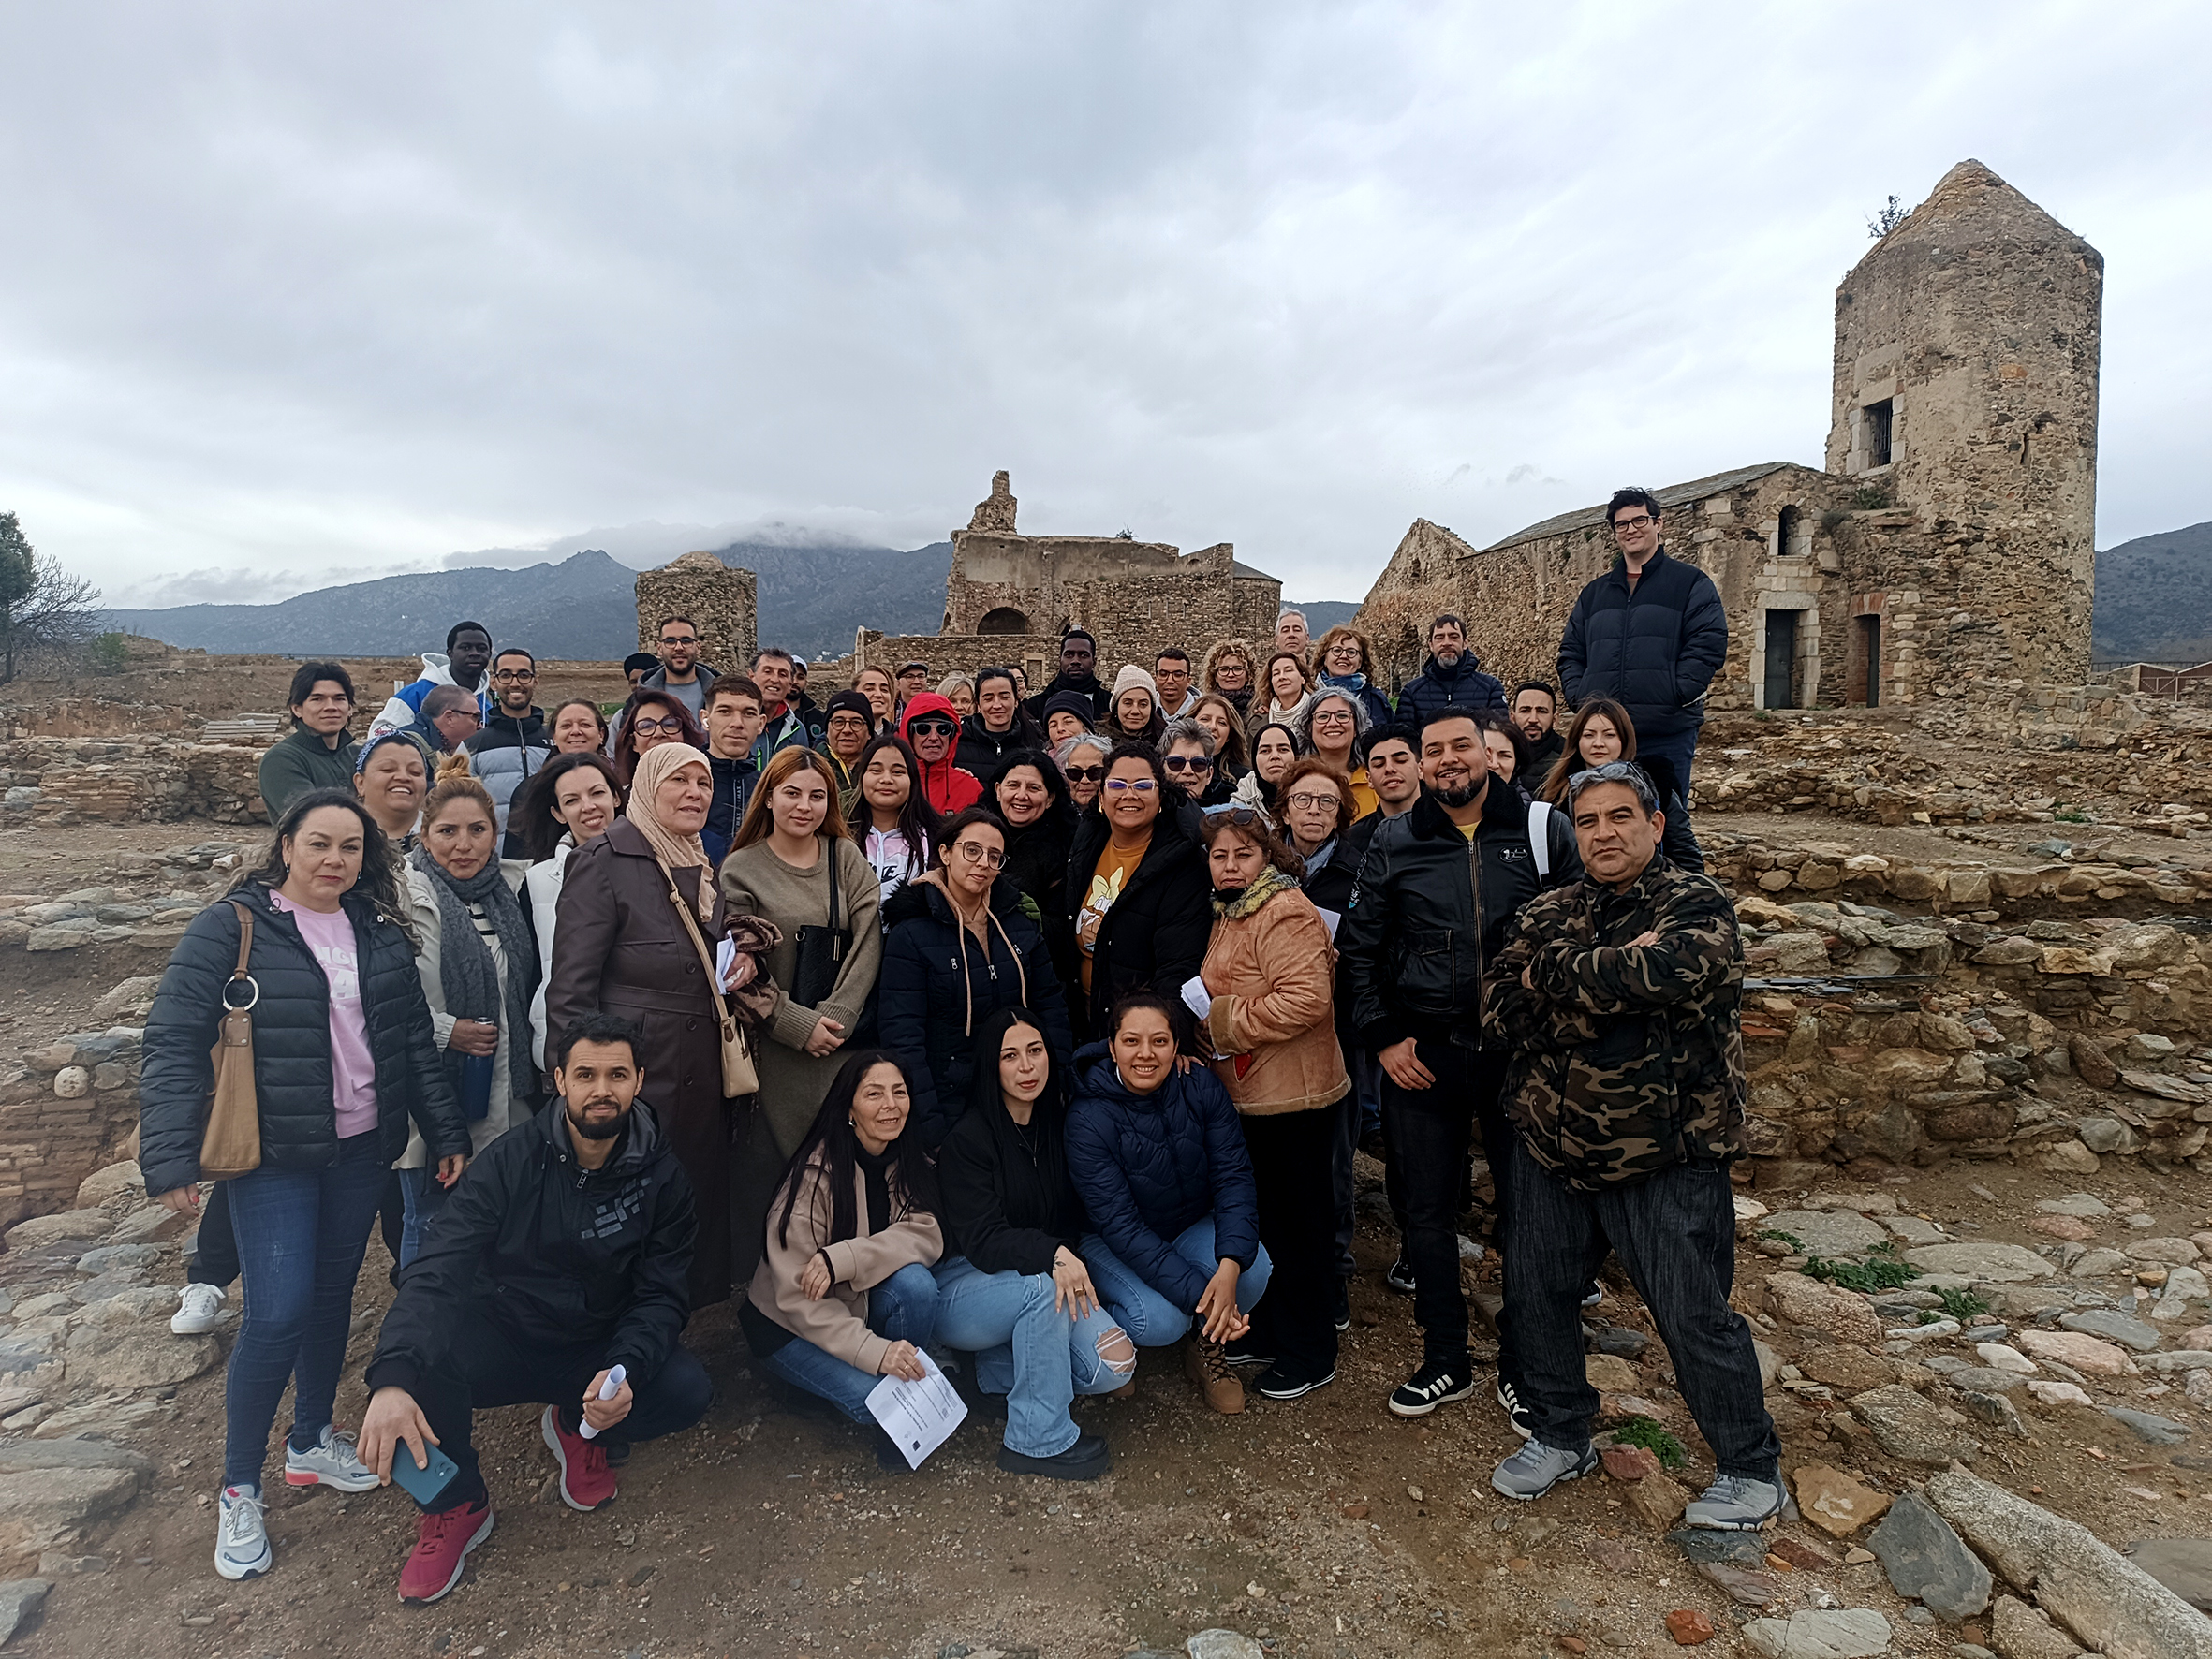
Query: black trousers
{"type": "Point", "coordinates": [1430, 1132]}
{"type": "Point", "coordinates": [1293, 1165]}
{"type": "Point", "coordinates": [486, 1367]}
{"type": "Point", "coordinates": [1675, 1235]}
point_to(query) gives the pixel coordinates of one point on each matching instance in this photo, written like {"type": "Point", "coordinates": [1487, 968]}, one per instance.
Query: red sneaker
{"type": "Point", "coordinates": [442, 1543]}
{"type": "Point", "coordinates": [587, 1482]}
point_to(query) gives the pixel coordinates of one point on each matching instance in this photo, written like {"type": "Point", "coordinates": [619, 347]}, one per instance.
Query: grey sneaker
{"type": "Point", "coordinates": [329, 1462]}
{"type": "Point", "coordinates": [1735, 1503]}
{"type": "Point", "coordinates": [241, 1541]}
{"type": "Point", "coordinates": [199, 1308]}
{"type": "Point", "coordinates": [1536, 1468]}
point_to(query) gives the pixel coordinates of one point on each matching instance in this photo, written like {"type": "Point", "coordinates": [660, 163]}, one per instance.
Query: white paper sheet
{"type": "Point", "coordinates": [1329, 920]}
{"type": "Point", "coordinates": [920, 1416]}
{"type": "Point", "coordinates": [725, 957]}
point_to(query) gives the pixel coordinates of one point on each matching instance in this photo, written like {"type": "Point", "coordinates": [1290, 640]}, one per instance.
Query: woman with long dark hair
{"type": "Point", "coordinates": [568, 804]}
{"type": "Point", "coordinates": [844, 1296]}
{"type": "Point", "coordinates": [1601, 731]}
{"type": "Point", "coordinates": [1033, 802]}
{"type": "Point", "coordinates": [1136, 881]}
{"type": "Point", "coordinates": [342, 1058]}
{"type": "Point", "coordinates": [1275, 747]}
{"type": "Point", "coordinates": [999, 729]}
{"type": "Point", "coordinates": [794, 865]}
{"type": "Point", "coordinates": [1012, 1289]}
{"type": "Point", "coordinates": [648, 720]}
{"type": "Point", "coordinates": [891, 817]}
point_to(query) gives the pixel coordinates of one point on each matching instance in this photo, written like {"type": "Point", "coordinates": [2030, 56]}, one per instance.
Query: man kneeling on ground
{"type": "Point", "coordinates": [1618, 996]}
{"type": "Point", "coordinates": [562, 1253]}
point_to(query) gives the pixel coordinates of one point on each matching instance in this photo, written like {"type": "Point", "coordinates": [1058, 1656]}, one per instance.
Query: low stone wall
{"type": "Point", "coordinates": [66, 1109]}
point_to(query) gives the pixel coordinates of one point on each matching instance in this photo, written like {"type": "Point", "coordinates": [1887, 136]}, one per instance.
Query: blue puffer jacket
{"type": "Point", "coordinates": [1149, 1165]}
{"type": "Point", "coordinates": [506, 755]}
{"type": "Point", "coordinates": [1462, 685]}
{"type": "Point", "coordinates": [1653, 651]}
{"type": "Point", "coordinates": [937, 985]}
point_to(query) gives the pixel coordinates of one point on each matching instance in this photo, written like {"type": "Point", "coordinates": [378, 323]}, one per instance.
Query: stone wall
{"type": "Point", "coordinates": [723, 604]}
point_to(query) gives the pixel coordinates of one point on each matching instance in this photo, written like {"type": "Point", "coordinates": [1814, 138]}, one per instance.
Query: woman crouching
{"type": "Point", "coordinates": [844, 1296]}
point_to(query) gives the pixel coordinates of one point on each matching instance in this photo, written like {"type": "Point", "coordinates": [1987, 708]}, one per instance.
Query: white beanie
{"type": "Point", "coordinates": [1132, 678]}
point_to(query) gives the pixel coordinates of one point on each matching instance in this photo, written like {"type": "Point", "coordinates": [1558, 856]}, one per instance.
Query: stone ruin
{"type": "Point", "coordinates": [722, 603]}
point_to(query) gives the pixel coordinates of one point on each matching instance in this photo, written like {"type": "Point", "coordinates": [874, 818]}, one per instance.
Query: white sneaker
{"type": "Point", "coordinates": [199, 1306]}
{"type": "Point", "coordinates": [241, 1540]}
{"type": "Point", "coordinates": [331, 1462]}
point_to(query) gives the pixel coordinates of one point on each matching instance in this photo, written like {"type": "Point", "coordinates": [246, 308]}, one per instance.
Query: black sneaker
{"type": "Point", "coordinates": [1400, 1277]}
{"type": "Point", "coordinates": [1516, 1415]}
{"type": "Point", "coordinates": [1087, 1460]}
{"type": "Point", "coordinates": [1437, 1383]}
{"type": "Point", "coordinates": [1343, 1306]}
{"type": "Point", "coordinates": [1244, 1351]}
{"type": "Point", "coordinates": [1593, 1296]}
{"type": "Point", "coordinates": [1273, 1385]}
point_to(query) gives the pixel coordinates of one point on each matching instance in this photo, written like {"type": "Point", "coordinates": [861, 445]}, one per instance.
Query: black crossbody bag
{"type": "Point", "coordinates": [821, 950]}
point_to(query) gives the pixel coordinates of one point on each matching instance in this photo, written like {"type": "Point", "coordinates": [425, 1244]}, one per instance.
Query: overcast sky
{"type": "Point", "coordinates": [299, 293]}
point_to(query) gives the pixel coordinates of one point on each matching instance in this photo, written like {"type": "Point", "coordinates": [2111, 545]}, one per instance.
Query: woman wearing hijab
{"type": "Point", "coordinates": [622, 946]}
{"type": "Point", "coordinates": [478, 966]}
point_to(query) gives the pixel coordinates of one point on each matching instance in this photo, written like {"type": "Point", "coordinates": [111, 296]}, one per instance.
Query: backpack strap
{"type": "Point", "coordinates": [1540, 837]}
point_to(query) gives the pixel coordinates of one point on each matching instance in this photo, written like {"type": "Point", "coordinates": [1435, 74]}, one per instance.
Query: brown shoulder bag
{"type": "Point", "coordinates": [231, 1145]}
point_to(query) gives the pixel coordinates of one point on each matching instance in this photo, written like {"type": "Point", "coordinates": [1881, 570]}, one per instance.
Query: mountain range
{"type": "Point", "coordinates": [2154, 603]}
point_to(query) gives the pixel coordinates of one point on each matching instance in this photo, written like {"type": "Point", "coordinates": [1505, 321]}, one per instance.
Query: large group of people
{"type": "Point", "coordinates": [956, 1023]}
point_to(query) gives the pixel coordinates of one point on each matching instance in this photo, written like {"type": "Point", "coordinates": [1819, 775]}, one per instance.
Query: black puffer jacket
{"type": "Point", "coordinates": [937, 985]}
{"type": "Point", "coordinates": [983, 752]}
{"type": "Point", "coordinates": [1154, 936]}
{"type": "Point", "coordinates": [1416, 932]}
{"type": "Point", "coordinates": [1462, 685]}
{"type": "Point", "coordinates": [291, 1043]}
{"type": "Point", "coordinates": [553, 1254]}
{"type": "Point", "coordinates": [1036, 862]}
{"type": "Point", "coordinates": [1653, 651]}
{"type": "Point", "coordinates": [1009, 1204]}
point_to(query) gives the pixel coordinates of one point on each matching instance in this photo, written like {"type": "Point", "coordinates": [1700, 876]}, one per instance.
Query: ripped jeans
{"type": "Point", "coordinates": [1029, 1350]}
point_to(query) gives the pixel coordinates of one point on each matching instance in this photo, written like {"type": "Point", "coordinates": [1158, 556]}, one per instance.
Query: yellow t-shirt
{"type": "Point", "coordinates": [1113, 873]}
{"type": "Point", "coordinates": [1363, 798]}
{"type": "Point", "coordinates": [1469, 829]}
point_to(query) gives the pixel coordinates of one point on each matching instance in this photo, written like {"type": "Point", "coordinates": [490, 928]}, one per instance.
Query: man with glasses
{"type": "Point", "coordinates": [1429, 908]}
{"type": "Point", "coordinates": [680, 674]}
{"type": "Point", "coordinates": [467, 653]}
{"type": "Point", "coordinates": [1650, 633]}
{"type": "Point", "coordinates": [780, 725]}
{"type": "Point", "coordinates": [932, 728]}
{"type": "Point", "coordinates": [1618, 997]}
{"type": "Point", "coordinates": [448, 719]}
{"type": "Point", "coordinates": [1186, 750]}
{"type": "Point", "coordinates": [1171, 675]}
{"type": "Point", "coordinates": [513, 743]}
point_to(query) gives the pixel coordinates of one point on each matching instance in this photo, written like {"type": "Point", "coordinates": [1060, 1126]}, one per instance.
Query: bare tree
{"type": "Point", "coordinates": [1891, 216]}
{"type": "Point", "coordinates": [42, 606]}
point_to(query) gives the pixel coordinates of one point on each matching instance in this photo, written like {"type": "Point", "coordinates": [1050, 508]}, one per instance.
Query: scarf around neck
{"type": "Point", "coordinates": [671, 851]}
{"type": "Point", "coordinates": [1266, 886]}
{"type": "Point", "coordinates": [466, 973]}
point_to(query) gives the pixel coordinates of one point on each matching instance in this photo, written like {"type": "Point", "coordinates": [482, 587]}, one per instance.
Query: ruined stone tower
{"type": "Point", "coordinates": [722, 603]}
{"type": "Point", "coordinates": [1965, 394]}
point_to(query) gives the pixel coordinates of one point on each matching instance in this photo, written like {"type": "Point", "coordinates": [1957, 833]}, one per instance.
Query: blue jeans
{"type": "Point", "coordinates": [901, 1308]}
{"type": "Point", "coordinates": [1152, 1320]}
{"type": "Point", "coordinates": [424, 1200]}
{"type": "Point", "coordinates": [302, 1234]}
{"type": "Point", "coordinates": [1028, 1349]}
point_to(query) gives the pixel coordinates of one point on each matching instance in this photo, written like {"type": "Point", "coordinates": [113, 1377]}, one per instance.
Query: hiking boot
{"type": "Point", "coordinates": [1400, 1277]}
{"type": "Point", "coordinates": [1275, 1384]}
{"type": "Point", "coordinates": [242, 1538]}
{"type": "Point", "coordinates": [331, 1460]}
{"type": "Point", "coordinates": [1437, 1383]}
{"type": "Point", "coordinates": [443, 1539]}
{"type": "Point", "coordinates": [1735, 1503]}
{"type": "Point", "coordinates": [1536, 1468]}
{"type": "Point", "coordinates": [1516, 1415]}
{"type": "Point", "coordinates": [1206, 1364]}
{"type": "Point", "coordinates": [199, 1309]}
{"type": "Point", "coordinates": [587, 1482]}
{"type": "Point", "coordinates": [1087, 1460]}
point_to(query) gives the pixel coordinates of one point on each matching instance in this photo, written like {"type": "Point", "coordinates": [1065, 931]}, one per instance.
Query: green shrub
{"type": "Point", "coordinates": [1645, 1432]}
{"type": "Point", "coordinates": [1882, 1272]}
{"type": "Point", "coordinates": [1791, 1240]}
{"type": "Point", "coordinates": [1962, 1305]}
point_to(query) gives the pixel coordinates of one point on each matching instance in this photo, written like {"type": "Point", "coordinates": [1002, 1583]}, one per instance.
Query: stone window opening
{"type": "Point", "coordinates": [1862, 677]}
{"type": "Point", "coordinates": [1786, 532]}
{"type": "Point", "coordinates": [1003, 619]}
{"type": "Point", "coordinates": [1880, 425]}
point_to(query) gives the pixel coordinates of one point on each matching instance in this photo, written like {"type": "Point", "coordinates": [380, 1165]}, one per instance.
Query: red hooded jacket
{"type": "Point", "coordinates": [947, 787]}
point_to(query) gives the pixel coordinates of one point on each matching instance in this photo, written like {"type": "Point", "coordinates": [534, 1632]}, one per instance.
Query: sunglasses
{"type": "Point", "coordinates": [1085, 775]}
{"type": "Point", "coordinates": [1243, 817]}
{"type": "Point", "coordinates": [929, 727]}
{"type": "Point", "coordinates": [1141, 786]}
{"type": "Point", "coordinates": [1187, 763]}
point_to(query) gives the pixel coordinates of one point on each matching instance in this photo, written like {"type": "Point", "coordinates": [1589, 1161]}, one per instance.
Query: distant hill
{"type": "Point", "coordinates": [582, 608]}
{"type": "Point", "coordinates": [2153, 599]}
{"type": "Point", "coordinates": [1323, 615]}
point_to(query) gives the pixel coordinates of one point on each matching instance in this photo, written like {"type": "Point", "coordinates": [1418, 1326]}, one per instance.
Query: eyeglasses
{"type": "Point", "coordinates": [679, 639]}
{"type": "Point", "coordinates": [1141, 786]}
{"type": "Point", "coordinates": [672, 727]}
{"type": "Point", "coordinates": [1084, 775]}
{"type": "Point", "coordinates": [974, 852]}
{"type": "Point", "coordinates": [1187, 763]}
{"type": "Point", "coordinates": [468, 715]}
{"type": "Point", "coordinates": [1312, 804]}
{"type": "Point", "coordinates": [1333, 718]}
{"type": "Point", "coordinates": [1640, 521]}
{"type": "Point", "coordinates": [515, 674]}
{"type": "Point", "coordinates": [929, 727]}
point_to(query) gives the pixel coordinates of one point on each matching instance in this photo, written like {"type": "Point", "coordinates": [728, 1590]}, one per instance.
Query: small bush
{"type": "Point", "coordinates": [109, 653]}
{"type": "Point", "coordinates": [1883, 1272]}
{"type": "Point", "coordinates": [1962, 1305]}
{"type": "Point", "coordinates": [1642, 1431]}
{"type": "Point", "coordinates": [1791, 1240]}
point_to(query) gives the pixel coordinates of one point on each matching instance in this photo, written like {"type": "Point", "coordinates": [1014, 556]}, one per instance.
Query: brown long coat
{"type": "Point", "coordinates": [620, 947]}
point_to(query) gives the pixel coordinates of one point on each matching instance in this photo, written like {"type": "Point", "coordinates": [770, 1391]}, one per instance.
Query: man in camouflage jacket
{"type": "Point", "coordinates": [1618, 996]}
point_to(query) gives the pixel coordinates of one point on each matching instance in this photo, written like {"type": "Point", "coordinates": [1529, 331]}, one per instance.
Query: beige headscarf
{"type": "Point", "coordinates": [673, 851]}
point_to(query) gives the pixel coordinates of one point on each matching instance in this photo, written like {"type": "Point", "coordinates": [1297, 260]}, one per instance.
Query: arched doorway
{"type": "Point", "coordinates": [1005, 619]}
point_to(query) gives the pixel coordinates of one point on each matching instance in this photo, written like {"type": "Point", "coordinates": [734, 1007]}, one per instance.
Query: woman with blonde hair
{"type": "Point", "coordinates": [960, 691]}
{"type": "Point", "coordinates": [630, 900]}
{"type": "Point", "coordinates": [1232, 754]}
{"type": "Point", "coordinates": [795, 865]}
{"type": "Point", "coordinates": [478, 966]}
{"type": "Point", "coordinates": [1230, 673]}
{"type": "Point", "coordinates": [1283, 695]}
